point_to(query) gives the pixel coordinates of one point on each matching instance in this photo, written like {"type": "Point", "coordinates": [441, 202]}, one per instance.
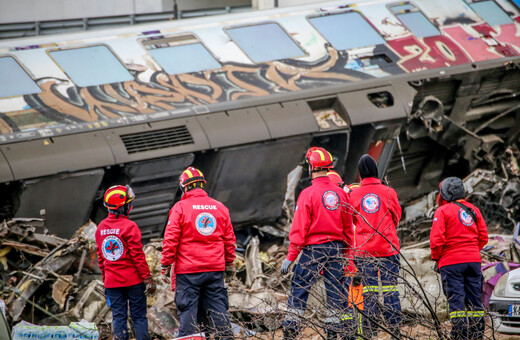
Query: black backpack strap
{"type": "Point", "coordinates": [468, 210]}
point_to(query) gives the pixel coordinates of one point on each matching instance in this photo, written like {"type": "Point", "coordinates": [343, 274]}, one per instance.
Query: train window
{"type": "Point", "coordinates": [339, 30]}
{"type": "Point", "coordinates": [15, 81]}
{"type": "Point", "coordinates": [181, 54]}
{"type": "Point", "coordinates": [491, 13]}
{"type": "Point", "coordinates": [90, 66]}
{"type": "Point", "coordinates": [418, 24]}
{"type": "Point", "coordinates": [414, 20]}
{"type": "Point", "coordinates": [265, 42]}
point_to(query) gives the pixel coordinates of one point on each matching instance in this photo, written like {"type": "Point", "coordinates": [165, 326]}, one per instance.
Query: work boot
{"type": "Point", "coordinates": [289, 334]}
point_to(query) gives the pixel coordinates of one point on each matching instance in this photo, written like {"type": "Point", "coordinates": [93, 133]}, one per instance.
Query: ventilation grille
{"type": "Point", "coordinates": [158, 139]}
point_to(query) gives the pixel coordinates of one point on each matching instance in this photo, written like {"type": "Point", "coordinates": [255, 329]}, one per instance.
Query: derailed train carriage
{"type": "Point", "coordinates": [428, 88]}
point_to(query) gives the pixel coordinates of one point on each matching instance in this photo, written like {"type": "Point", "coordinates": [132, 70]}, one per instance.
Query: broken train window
{"type": "Point", "coordinates": [333, 28]}
{"type": "Point", "coordinates": [15, 80]}
{"type": "Point", "coordinates": [180, 54]}
{"type": "Point", "coordinates": [265, 42]}
{"type": "Point", "coordinates": [91, 65]}
{"type": "Point", "coordinates": [414, 19]}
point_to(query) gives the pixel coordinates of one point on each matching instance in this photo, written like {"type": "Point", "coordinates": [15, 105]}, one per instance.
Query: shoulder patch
{"type": "Point", "coordinates": [206, 223]}
{"type": "Point", "coordinates": [370, 203]}
{"type": "Point", "coordinates": [330, 200]}
{"type": "Point", "coordinates": [112, 248]}
{"type": "Point", "coordinates": [465, 218]}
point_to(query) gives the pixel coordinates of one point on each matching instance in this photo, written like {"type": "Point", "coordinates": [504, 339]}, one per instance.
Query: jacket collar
{"type": "Point", "coordinates": [194, 193]}
{"type": "Point", "coordinates": [370, 180]}
{"type": "Point", "coordinates": [114, 216]}
{"type": "Point", "coordinates": [321, 179]}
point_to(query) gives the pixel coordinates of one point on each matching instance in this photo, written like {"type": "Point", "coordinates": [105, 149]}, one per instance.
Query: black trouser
{"type": "Point", "coordinates": [209, 288]}
{"type": "Point", "coordinates": [462, 285]}
{"type": "Point", "coordinates": [119, 299]}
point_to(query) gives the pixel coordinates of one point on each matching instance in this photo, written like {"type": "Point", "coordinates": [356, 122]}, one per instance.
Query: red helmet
{"type": "Point", "coordinates": [191, 175]}
{"type": "Point", "coordinates": [117, 196]}
{"type": "Point", "coordinates": [319, 158]}
{"type": "Point", "coordinates": [335, 178]}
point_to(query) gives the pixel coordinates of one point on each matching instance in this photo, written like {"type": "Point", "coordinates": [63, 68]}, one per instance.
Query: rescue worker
{"type": "Point", "coordinates": [199, 243]}
{"type": "Point", "coordinates": [322, 232]}
{"type": "Point", "coordinates": [377, 214]}
{"type": "Point", "coordinates": [126, 275]}
{"type": "Point", "coordinates": [458, 234]}
{"type": "Point", "coordinates": [353, 279]}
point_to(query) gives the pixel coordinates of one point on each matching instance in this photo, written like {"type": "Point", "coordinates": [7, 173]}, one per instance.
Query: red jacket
{"type": "Point", "coordinates": [120, 252]}
{"type": "Point", "coordinates": [378, 205]}
{"type": "Point", "coordinates": [199, 236]}
{"type": "Point", "coordinates": [320, 217]}
{"type": "Point", "coordinates": [455, 237]}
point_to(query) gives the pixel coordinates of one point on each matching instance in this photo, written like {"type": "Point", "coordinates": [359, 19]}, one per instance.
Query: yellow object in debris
{"type": "Point", "coordinates": [3, 259]}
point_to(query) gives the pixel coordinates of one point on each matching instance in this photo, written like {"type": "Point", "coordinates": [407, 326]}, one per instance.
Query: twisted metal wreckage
{"type": "Point", "coordinates": [52, 281]}
{"type": "Point", "coordinates": [426, 107]}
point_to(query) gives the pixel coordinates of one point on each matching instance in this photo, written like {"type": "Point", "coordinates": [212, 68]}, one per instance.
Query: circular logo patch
{"type": "Point", "coordinates": [370, 203]}
{"type": "Point", "coordinates": [206, 223]}
{"type": "Point", "coordinates": [465, 218]}
{"type": "Point", "coordinates": [112, 248]}
{"type": "Point", "coordinates": [331, 200]}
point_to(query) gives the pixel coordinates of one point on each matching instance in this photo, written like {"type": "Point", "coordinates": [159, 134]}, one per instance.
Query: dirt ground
{"type": "Point", "coordinates": [416, 332]}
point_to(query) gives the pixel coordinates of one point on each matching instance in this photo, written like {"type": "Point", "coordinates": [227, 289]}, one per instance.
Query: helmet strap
{"type": "Point", "coordinates": [193, 185]}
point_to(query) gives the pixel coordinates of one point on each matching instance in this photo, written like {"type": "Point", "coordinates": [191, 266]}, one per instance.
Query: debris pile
{"type": "Point", "coordinates": [496, 195]}
{"type": "Point", "coordinates": [51, 281]}
{"type": "Point", "coordinates": [47, 279]}
{"type": "Point", "coordinates": [256, 292]}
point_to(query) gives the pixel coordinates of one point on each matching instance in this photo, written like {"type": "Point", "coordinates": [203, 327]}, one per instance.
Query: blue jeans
{"type": "Point", "coordinates": [119, 299]}
{"type": "Point", "coordinates": [462, 285]}
{"type": "Point", "coordinates": [388, 269]}
{"type": "Point", "coordinates": [326, 257]}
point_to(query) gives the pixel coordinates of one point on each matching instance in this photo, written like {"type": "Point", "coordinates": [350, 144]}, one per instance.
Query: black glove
{"type": "Point", "coordinates": [230, 271]}
{"type": "Point", "coordinates": [436, 268]}
{"type": "Point", "coordinates": [166, 273]}
{"type": "Point", "coordinates": [150, 286]}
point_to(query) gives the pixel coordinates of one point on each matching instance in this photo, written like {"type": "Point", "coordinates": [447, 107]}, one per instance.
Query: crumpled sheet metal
{"type": "Point", "coordinates": [293, 179]}
{"type": "Point", "coordinates": [61, 288]}
{"type": "Point", "coordinates": [480, 181]}
{"type": "Point", "coordinates": [420, 208]}
{"type": "Point", "coordinates": [162, 315]}
{"type": "Point", "coordinates": [254, 274]}
{"type": "Point", "coordinates": [58, 260]}
{"type": "Point", "coordinates": [52, 269]}
{"type": "Point", "coordinates": [420, 260]}
{"type": "Point", "coordinates": [92, 304]}
{"type": "Point", "coordinates": [264, 301]}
